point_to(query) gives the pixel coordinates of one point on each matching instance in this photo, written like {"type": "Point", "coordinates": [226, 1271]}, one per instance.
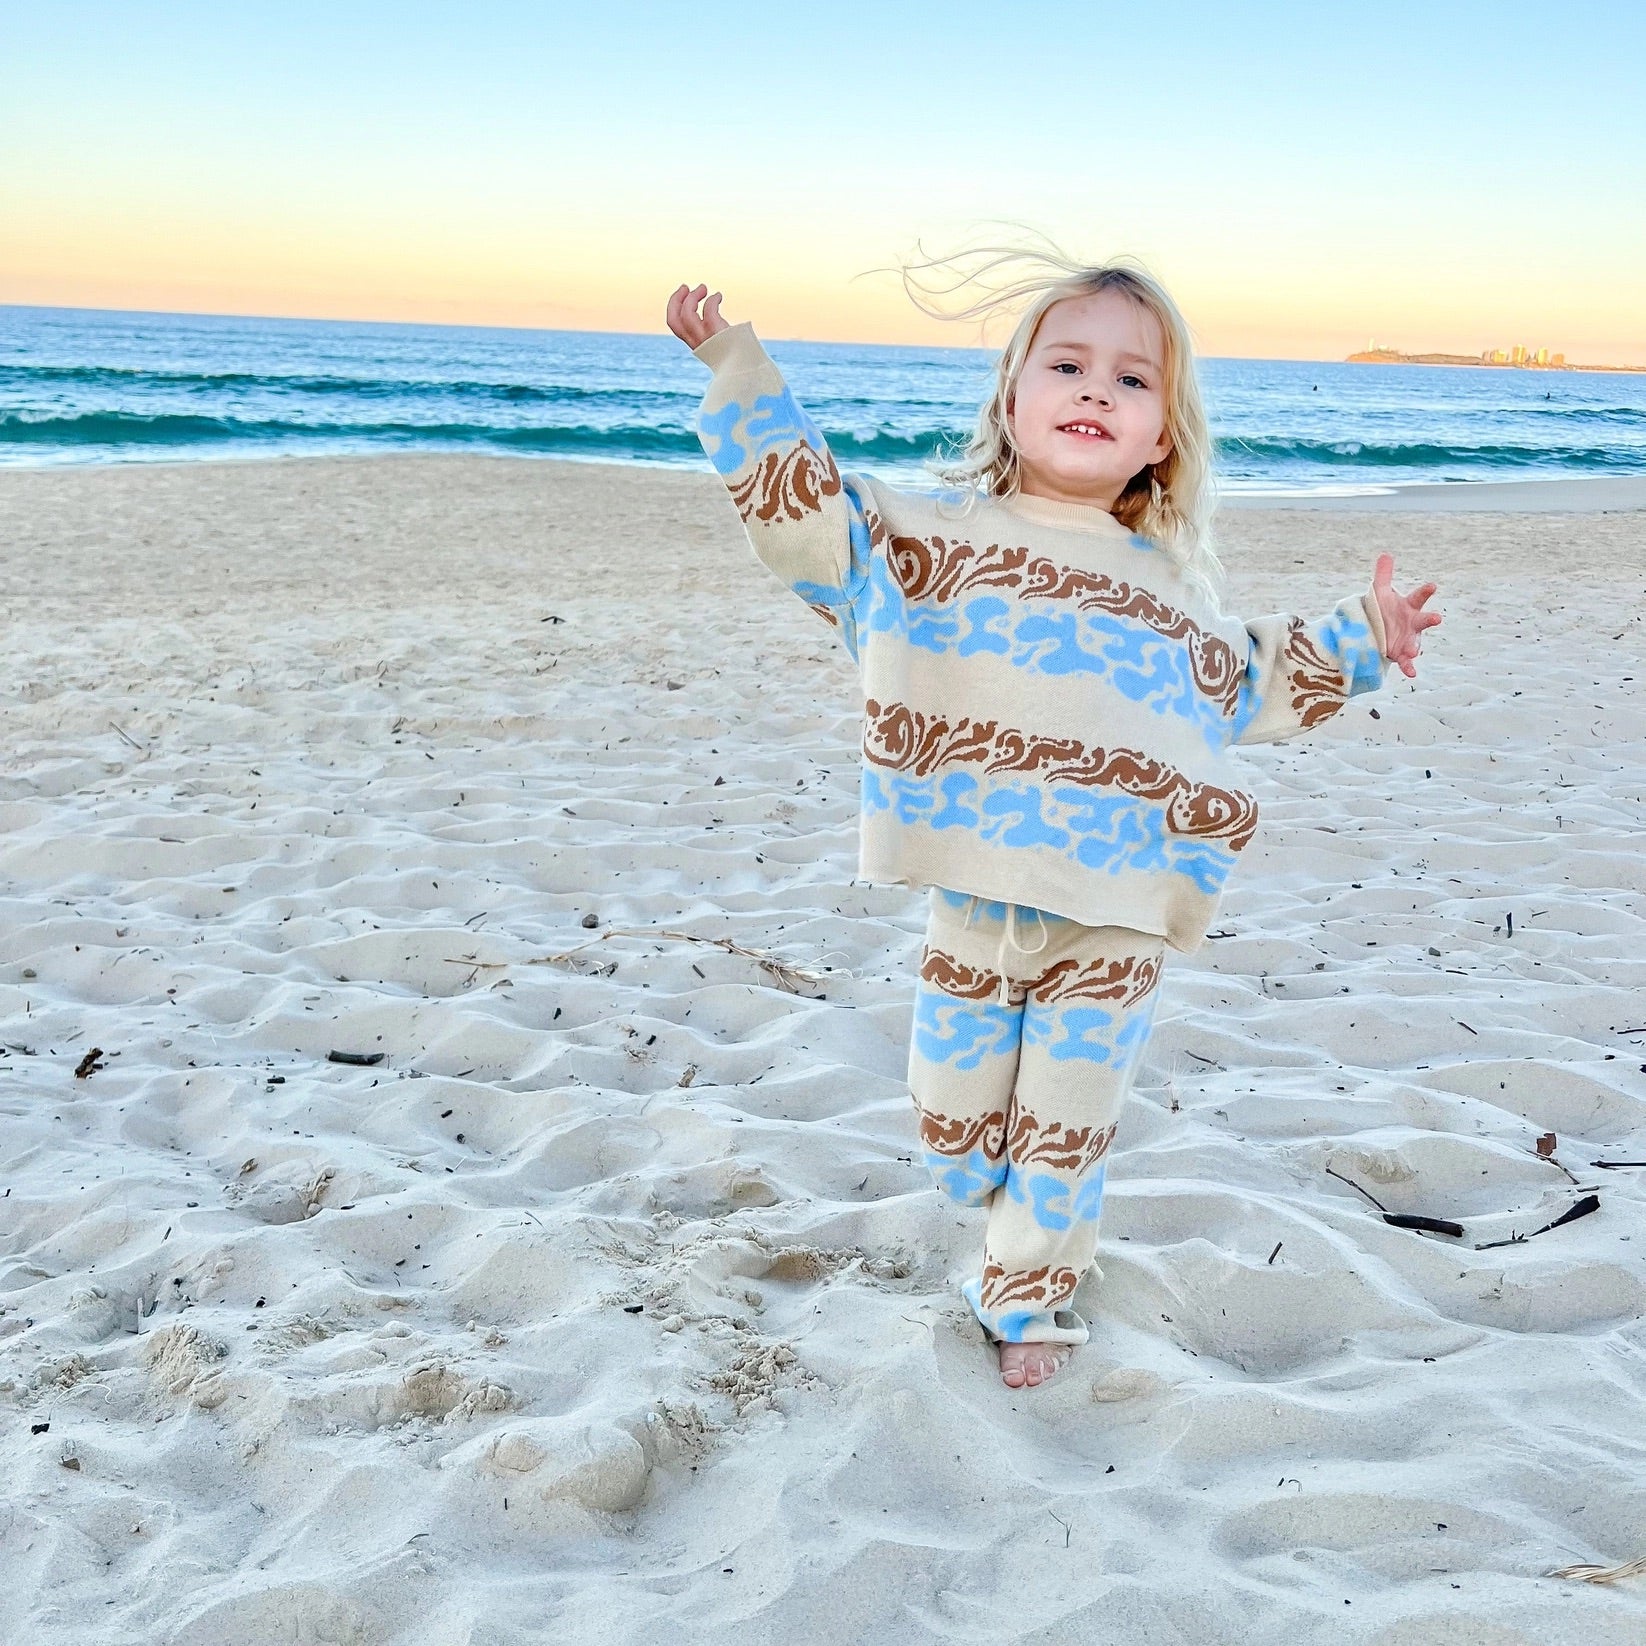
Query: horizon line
{"type": "Point", "coordinates": [595, 331]}
{"type": "Point", "coordinates": [584, 331]}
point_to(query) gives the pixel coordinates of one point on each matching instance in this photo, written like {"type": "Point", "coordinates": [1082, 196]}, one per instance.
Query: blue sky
{"type": "Point", "coordinates": [1303, 176]}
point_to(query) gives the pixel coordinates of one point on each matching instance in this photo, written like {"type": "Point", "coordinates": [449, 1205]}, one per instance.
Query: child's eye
{"type": "Point", "coordinates": [1132, 377]}
{"type": "Point", "coordinates": [1066, 365]}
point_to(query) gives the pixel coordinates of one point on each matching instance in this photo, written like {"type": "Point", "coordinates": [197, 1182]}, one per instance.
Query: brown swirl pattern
{"type": "Point", "coordinates": [962, 982]}
{"type": "Point", "coordinates": [1071, 1149]}
{"type": "Point", "coordinates": [934, 568]}
{"type": "Point", "coordinates": [1315, 680]}
{"type": "Point", "coordinates": [787, 484]}
{"type": "Point", "coordinates": [1048, 1285]}
{"type": "Point", "coordinates": [945, 1134]}
{"type": "Point", "coordinates": [1125, 981]}
{"type": "Point", "coordinates": [905, 740]}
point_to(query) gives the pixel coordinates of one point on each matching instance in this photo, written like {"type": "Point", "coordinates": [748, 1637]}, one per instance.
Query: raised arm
{"type": "Point", "coordinates": [806, 521]}
{"type": "Point", "coordinates": [1299, 674]}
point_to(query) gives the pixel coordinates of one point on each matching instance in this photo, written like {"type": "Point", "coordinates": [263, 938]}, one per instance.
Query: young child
{"type": "Point", "coordinates": [1051, 691]}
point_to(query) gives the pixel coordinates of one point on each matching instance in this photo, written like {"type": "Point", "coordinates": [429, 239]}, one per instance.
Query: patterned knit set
{"type": "Point", "coordinates": [1024, 1048]}
{"type": "Point", "coordinates": [1048, 709]}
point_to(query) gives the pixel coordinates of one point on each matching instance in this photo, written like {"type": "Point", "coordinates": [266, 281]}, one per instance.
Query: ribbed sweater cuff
{"type": "Point", "coordinates": [735, 349]}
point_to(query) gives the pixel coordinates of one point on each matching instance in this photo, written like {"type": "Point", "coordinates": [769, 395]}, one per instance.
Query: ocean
{"type": "Point", "coordinates": [93, 386]}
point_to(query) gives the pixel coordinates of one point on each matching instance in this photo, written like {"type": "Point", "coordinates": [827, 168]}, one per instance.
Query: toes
{"type": "Point", "coordinates": [1030, 1364]}
{"type": "Point", "coordinates": [1042, 1367]}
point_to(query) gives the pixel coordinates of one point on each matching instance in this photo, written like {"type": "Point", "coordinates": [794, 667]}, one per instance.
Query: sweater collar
{"type": "Point", "coordinates": [1078, 517]}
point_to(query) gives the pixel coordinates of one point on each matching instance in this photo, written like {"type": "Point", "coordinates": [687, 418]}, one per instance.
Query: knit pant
{"type": "Point", "coordinates": [1021, 1057]}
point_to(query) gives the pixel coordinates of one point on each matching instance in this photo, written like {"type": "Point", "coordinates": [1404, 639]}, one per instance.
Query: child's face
{"type": "Point", "coordinates": [1089, 408]}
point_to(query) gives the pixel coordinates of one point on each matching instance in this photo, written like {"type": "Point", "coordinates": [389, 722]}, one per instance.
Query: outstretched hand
{"type": "Point", "coordinates": [694, 329]}
{"type": "Point", "coordinates": [1404, 618]}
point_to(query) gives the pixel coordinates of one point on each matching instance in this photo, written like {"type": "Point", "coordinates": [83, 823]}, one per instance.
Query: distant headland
{"type": "Point", "coordinates": [1525, 359]}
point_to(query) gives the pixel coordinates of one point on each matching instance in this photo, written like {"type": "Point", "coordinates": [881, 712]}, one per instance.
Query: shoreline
{"type": "Point", "coordinates": [1567, 494]}
{"type": "Point", "coordinates": [1573, 494]}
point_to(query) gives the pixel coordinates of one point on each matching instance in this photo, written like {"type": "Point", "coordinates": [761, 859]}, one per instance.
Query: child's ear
{"type": "Point", "coordinates": [1162, 449]}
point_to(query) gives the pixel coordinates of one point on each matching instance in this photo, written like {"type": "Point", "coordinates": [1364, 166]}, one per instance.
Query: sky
{"type": "Point", "coordinates": [1303, 177]}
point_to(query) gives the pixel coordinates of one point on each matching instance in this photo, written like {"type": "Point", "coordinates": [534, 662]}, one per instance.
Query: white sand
{"type": "Point", "coordinates": [295, 760]}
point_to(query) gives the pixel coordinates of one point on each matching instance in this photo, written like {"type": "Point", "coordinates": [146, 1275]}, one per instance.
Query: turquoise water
{"type": "Point", "coordinates": [80, 385]}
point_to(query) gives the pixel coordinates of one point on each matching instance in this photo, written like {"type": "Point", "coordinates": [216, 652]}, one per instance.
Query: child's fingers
{"type": "Point", "coordinates": [699, 330]}
{"type": "Point", "coordinates": [684, 320]}
{"type": "Point", "coordinates": [711, 313]}
{"type": "Point", "coordinates": [1385, 569]}
{"type": "Point", "coordinates": [681, 317]}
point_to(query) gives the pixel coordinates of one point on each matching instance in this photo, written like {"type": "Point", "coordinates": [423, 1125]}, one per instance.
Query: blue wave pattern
{"type": "Point", "coordinates": [1350, 642]}
{"type": "Point", "coordinates": [98, 386]}
{"type": "Point", "coordinates": [964, 1033]}
{"type": "Point", "coordinates": [1109, 833]}
{"type": "Point", "coordinates": [1140, 664]}
{"type": "Point", "coordinates": [769, 420]}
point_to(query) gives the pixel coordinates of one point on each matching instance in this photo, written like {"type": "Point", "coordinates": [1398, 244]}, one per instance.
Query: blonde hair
{"type": "Point", "coordinates": [1169, 502]}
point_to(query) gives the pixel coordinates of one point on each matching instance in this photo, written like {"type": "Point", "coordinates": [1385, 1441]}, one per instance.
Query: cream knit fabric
{"type": "Point", "coordinates": [1048, 705]}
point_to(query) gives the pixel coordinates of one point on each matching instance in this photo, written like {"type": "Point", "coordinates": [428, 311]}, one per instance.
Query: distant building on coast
{"type": "Point", "coordinates": [1520, 355]}
{"type": "Point", "coordinates": [1381, 354]}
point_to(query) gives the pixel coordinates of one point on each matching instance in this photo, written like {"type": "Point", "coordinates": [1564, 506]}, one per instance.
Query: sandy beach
{"type": "Point", "coordinates": [612, 1304]}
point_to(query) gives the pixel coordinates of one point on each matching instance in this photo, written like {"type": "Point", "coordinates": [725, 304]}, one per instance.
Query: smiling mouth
{"type": "Point", "coordinates": [1086, 431]}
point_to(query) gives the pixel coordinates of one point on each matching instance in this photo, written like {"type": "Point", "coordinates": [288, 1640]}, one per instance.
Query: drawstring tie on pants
{"type": "Point", "coordinates": [1009, 935]}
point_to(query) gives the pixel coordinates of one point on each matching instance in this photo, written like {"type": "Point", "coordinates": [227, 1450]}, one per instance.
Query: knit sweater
{"type": "Point", "coordinates": [1048, 704]}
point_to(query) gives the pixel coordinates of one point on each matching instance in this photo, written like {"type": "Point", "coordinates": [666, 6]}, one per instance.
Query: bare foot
{"type": "Point", "coordinates": [1032, 1363]}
